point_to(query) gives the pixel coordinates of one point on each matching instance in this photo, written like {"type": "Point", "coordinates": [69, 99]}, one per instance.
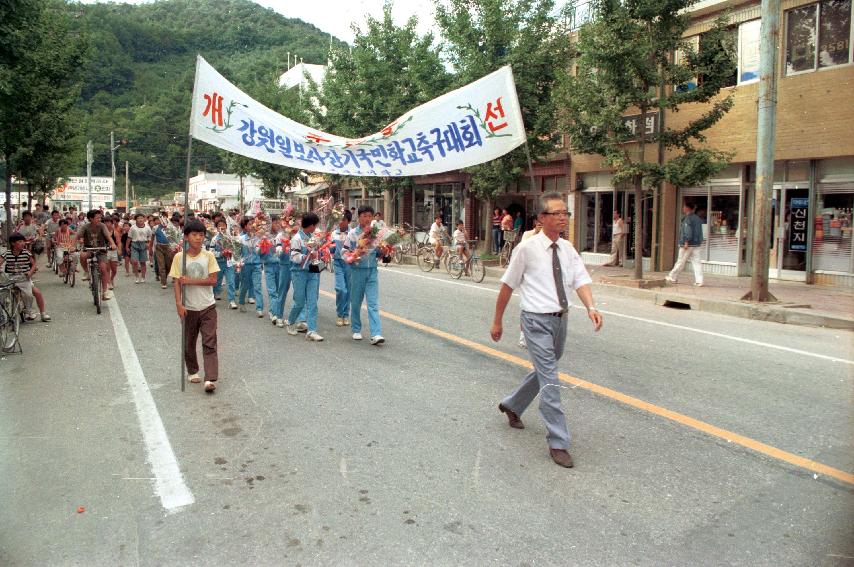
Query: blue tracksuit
{"type": "Point", "coordinates": [306, 284]}
{"type": "Point", "coordinates": [342, 274]}
{"type": "Point", "coordinates": [250, 274]}
{"type": "Point", "coordinates": [270, 262]}
{"type": "Point", "coordinates": [364, 284]}
{"type": "Point", "coordinates": [226, 269]}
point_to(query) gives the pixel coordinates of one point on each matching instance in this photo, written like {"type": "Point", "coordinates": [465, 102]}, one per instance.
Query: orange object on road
{"type": "Point", "coordinates": [81, 509]}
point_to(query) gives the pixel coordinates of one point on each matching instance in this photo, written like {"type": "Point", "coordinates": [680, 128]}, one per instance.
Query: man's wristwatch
{"type": "Point", "coordinates": [592, 308]}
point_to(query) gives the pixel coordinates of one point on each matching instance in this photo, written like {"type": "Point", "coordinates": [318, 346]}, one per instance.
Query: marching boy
{"type": "Point", "coordinates": [364, 281]}
{"type": "Point", "coordinates": [200, 311]}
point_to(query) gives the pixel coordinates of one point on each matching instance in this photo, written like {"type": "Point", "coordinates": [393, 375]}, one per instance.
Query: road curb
{"type": "Point", "coordinates": [744, 310]}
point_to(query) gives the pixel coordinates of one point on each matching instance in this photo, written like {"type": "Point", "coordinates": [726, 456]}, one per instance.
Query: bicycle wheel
{"type": "Point", "coordinates": [478, 270]}
{"type": "Point", "coordinates": [95, 275]}
{"type": "Point", "coordinates": [455, 266]}
{"type": "Point", "coordinates": [73, 271]}
{"type": "Point", "coordinates": [444, 262]}
{"type": "Point", "coordinates": [426, 259]}
{"type": "Point", "coordinates": [504, 255]}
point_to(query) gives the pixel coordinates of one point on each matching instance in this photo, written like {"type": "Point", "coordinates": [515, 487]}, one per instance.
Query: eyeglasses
{"type": "Point", "coordinates": [557, 213]}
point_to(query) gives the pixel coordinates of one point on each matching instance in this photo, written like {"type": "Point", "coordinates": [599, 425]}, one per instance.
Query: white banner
{"type": "Point", "coordinates": [77, 189]}
{"type": "Point", "coordinates": [471, 125]}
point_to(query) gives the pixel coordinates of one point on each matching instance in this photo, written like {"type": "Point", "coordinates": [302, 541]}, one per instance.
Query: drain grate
{"type": "Point", "coordinates": [676, 305]}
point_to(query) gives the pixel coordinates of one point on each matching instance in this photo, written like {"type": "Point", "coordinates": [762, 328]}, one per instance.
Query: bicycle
{"type": "Point", "coordinates": [475, 268]}
{"type": "Point", "coordinates": [95, 275]}
{"type": "Point", "coordinates": [427, 254]}
{"type": "Point", "coordinates": [507, 249]}
{"type": "Point", "coordinates": [12, 313]}
{"type": "Point", "coordinates": [70, 267]}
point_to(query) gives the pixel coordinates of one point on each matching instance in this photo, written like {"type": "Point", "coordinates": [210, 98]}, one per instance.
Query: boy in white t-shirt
{"type": "Point", "coordinates": [461, 244]}
{"type": "Point", "coordinates": [198, 309]}
{"type": "Point", "coordinates": [140, 237]}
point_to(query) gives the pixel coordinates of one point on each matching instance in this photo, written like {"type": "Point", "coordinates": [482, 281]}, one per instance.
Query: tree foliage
{"type": "Point", "coordinates": [389, 70]}
{"type": "Point", "coordinates": [481, 36]}
{"type": "Point", "coordinates": [625, 65]}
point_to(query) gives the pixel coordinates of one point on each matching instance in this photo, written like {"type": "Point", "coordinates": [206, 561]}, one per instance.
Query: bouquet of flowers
{"type": "Point", "coordinates": [232, 248]}
{"type": "Point", "coordinates": [174, 235]}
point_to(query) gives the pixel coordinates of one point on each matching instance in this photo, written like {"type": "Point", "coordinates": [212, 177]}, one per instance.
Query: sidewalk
{"type": "Point", "coordinates": [798, 303]}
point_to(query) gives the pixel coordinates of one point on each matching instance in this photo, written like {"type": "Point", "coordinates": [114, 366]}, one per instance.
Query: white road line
{"type": "Point", "coordinates": [168, 482]}
{"type": "Point", "coordinates": [653, 322]}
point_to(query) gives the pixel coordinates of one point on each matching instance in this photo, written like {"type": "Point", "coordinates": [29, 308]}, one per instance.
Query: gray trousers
{"type": "Point", "coordinates": [545, 335]}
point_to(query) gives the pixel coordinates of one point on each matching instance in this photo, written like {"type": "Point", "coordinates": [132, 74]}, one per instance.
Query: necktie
{"type": "Point", "coordinates": [558, 275]}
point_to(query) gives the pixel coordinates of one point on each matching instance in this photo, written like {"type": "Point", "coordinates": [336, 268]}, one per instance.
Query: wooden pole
{"type": "Point", "coordinates": [184, 260]}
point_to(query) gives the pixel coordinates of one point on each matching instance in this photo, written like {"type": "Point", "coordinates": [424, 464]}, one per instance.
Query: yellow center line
{"type": "Point", "coordinates": [707, 428]}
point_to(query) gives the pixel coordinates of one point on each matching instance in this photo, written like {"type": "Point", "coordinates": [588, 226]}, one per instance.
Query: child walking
{"type": "Point", "coordinates": [199, 314]}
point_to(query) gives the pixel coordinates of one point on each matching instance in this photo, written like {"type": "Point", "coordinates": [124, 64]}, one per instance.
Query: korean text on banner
{"type": "Point", "coordinates": [473, 124]}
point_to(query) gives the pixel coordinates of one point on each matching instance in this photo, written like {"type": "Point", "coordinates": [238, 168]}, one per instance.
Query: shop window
{"type": "Point", "coordinates": [832, 236]}
{"type": "Point", "coordinates": [723, 228]}
{"type": "Point", "coordinates": [818, 36]}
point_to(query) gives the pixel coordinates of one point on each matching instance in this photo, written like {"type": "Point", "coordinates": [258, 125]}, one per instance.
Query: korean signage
{"type": "Point", "coordinates": [639, 125]}
{"type": "Point", "coordinates": [77, 189]}
{"type": "Point", "coordinates": [798, 208]}
{"type": "Point", "coordinates": [473, 124]}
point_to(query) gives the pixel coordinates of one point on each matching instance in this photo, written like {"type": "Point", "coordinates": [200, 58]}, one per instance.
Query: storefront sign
{"type": "Point", "coordinates": [798, 208]}
{"type": "Point", "coordinates": [471, 125]}
{"type": "Point", "coordinates": [639, 125]}
{"type": "Point", "coordinates": [77, 189]}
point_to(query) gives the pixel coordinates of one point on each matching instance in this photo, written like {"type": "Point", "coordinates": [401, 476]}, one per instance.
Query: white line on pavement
{"type": "Point", "coordinates": [168, 482]}
{"type": "Point", "coordinates": [652, 321]}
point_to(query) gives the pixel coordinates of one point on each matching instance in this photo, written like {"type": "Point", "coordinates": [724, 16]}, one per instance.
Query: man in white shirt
{"type": "Point", "coordinates": [544, 268]}
{"type": "Point", "coordinates": [436, 236]}
{"type": "Point", "coordinates": [618, 237]}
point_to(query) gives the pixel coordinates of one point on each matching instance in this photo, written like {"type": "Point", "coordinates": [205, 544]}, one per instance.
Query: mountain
{"type": "Point", "coordinates": [139, 79]}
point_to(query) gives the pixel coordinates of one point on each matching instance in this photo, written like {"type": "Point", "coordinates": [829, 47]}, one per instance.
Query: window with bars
{"type": "Point", "coordinates": [818, 36]}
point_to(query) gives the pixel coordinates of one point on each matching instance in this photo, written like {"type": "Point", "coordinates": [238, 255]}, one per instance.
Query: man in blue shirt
{"type": "Point", "coordinates": [342, 271]}
{"type": "Point", "coordinates": [364, 281]}
{"type": "Point", "coordinates": [690, 240]}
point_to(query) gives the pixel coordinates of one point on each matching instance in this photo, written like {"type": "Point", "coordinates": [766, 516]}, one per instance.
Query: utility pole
{"type": "Point", "coordinates": [89, 170]}
{"type": "Point", "coordinates": [127, 185]}
{"type": "Point", "coordinates": [765, 141]}
{"type": "Point", "coordinates": [113, 156]}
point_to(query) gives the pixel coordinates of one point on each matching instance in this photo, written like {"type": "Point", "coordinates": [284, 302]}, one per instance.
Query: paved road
{"type": "Point", "coordinates": [340, 453]}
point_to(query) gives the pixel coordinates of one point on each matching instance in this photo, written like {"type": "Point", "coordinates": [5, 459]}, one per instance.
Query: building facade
{"type": "Point", "coordinates": [813, 194]}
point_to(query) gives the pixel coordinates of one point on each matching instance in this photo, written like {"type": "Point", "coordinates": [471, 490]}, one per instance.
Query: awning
{"type": "Point", "coordinates": [311, 190]}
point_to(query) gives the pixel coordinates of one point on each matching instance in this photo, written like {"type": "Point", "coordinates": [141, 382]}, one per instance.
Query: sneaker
{"type": "Point", "coordinates": [669, 279]}
{"type": "Point", "coordinates": [302, 327]}
{"type": "Point", "coordinates": [45, 317]}
{"type": "Point", "coordinates": [699, 284]}
{"type": "Point", "coordinates": [210, 386]}
{"type": "Point", "coordinates": [252, 301]}
{"type": "Point", "coordinates": [292, 330]}
{"type": "Point", "coordinates": [232, 305]}
{"type": "Point", "coordinates": [108, 294]}
{"type": "Point", "coordinates": [339, 321]}
{"type": "Point", "coordinates": [357, 336]}
{"type": "Point", "coordinates": [85, 277]}
{"type": "Point", "coordinates": [136, 281]}
{"type": "Point", "coordinates": [272, 318]}
{"type": "Point", "coordinates": [243, 309]}
{"type": "Point", "coordinates": [162, 286]}
{"type": "Point", "coordinates": [346, 321]}
{"type": "Point", "coordinates": [260, 314]}
{"type": "Point", "coordinates": [111, 286]}
{"type": "Point", "coordinates": [194, 378]}
{"type": "Point", "coordinates": [313, 336]}
{"type": "Point", "coordinates": [30, 317]}
{"type": "Point", "coordinates": [377, 340]}
{"type": "Point", "coordinates": [280, 323]}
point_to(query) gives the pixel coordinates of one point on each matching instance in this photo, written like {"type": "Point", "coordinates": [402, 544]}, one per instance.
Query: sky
{"type": "Point", "coordinates": [336, 16]}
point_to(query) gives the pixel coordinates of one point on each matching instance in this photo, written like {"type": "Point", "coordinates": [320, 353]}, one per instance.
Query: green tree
{"type": "Point", "coordinates": [481, 36]}
{"type": "Point", "coordinates": [389, 71]}
{"type": "Point", "coordinates": [39, 84]}
{"type": "Point", "coordinates": [626, 65]}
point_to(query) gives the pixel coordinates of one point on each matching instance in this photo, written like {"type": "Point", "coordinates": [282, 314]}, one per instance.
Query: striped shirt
{"type": "Point", "coordinates": [19, 264]}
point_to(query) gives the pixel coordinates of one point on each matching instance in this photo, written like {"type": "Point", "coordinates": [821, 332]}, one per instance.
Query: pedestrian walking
{"type": "Point", "coordinates": [544, 268]}
{"type": "Point", "coordinates": [140, 236]}
{"type": "Point", "coordinates": [225, 264]}
{"type": "Point", "coordinates": [618, 238]}
{"type": "Point", "coordinates": [305, 278]}
{"type": "Point", "coordinates": [162, 251]}
{"type": "Point", "coordinates": [250, 272]}
{"type": "Point", "coordinates": [496, 231]}
{"type": "Point", "coordinates": [690, 240]}
{"type": "Point", "coordinates": [198, 308]}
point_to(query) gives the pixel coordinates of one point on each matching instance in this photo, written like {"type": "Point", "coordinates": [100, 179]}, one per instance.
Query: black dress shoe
{"type": "Point", "coordinates": [561, 457]}
{"type": "Point", "coordinates": [512, 418]}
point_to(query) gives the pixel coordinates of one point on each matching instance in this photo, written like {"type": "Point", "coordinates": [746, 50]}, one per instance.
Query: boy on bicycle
{"type": "Point", "coordinates": [96, 235]}
{"type": "Point", "coordinates": [63, 243]}
{"type": "Point", "coordinates": [436, 237]}
{"type": "Point", "coordinates": [20, 262]}
{"type": "Point", "coordinates": [461, 244]}
{"type": "Point", "coordinates": [198, 308]}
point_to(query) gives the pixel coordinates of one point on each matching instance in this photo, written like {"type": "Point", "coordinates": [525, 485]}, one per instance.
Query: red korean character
{"type": "Point", "coordinates": [493, 113]}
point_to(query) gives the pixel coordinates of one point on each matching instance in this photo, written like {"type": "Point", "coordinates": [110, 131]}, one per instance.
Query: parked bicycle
{"type": "Point", "coordinates": [95, 275]}
{"type": "Point", "coordinates": [507, 249]}
{"type": "Point", "coordinates": [473, 267]}
{"type": "Point", "coordinates": [12, 310]}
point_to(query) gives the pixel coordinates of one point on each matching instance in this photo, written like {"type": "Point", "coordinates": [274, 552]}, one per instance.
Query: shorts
{"type": "Point", "coordinates": [139, 252]}
{"type": "Point", "coordinates": [26, 288]}
{"type": "Point", "coordinates": [112, 256]}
